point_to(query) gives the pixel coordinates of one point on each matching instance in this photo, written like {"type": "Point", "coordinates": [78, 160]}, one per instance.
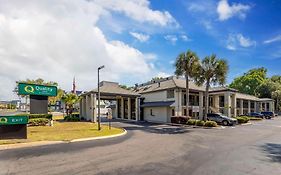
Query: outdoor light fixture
{"type": "Point", "coordinates": [99, 118]}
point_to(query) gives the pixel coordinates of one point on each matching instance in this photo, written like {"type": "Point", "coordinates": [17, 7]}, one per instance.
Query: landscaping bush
{"type": "Point", "coordinates": [191, 122]}
{"type": "Point", "coordinates": [72, 118]}
{"type": "Point", "coordinates": [180, 119]}
{"type": "Point", "coordinates": [33, 116]}
{"type": "Point", "coordinates": [255, 118]}
{"type": "Point", "coordinates": [242, 119]}
{"type": "Point", "coordinates": [199, 123]}
{"type": "Point", "coordinates": [38, 122]}
{"type": "Point", "coordinates": [211, 124]}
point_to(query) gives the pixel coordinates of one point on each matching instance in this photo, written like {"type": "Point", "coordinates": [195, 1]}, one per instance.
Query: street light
{"type": "Point", "coordinates": [99, 68]}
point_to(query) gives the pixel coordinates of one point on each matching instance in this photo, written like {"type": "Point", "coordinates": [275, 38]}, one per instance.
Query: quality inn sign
{"type": "Point", "coordinates": [33, 89]}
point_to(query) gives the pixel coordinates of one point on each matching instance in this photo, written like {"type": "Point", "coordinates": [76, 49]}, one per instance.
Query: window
{"type": "Point", "coordinates": [184, 112]}
{"type": "Point", "coordinates": [170, 93]}
{"type": "Point", "coordinates": [173, 112]}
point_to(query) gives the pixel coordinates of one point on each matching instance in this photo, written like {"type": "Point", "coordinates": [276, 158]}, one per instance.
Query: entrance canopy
{"type": "Point", "coordinates": [111, 90]}
{"type": "Point", "coordinates": [127, 101]}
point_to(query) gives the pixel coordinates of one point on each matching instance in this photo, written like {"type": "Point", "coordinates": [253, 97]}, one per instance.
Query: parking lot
{"type": "Point", "coordinates": [159, 149]}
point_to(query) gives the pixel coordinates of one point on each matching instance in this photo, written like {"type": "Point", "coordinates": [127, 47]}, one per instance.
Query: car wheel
{"type": "Point", "coordinates": [225, 123]}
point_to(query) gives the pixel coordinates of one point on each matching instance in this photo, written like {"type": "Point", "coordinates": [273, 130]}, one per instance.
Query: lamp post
{"type": "Point", "coordinates": [99, 68]}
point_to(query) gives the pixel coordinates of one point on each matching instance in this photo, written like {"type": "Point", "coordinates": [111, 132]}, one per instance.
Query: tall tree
{"type": "Point", "coordinates": [212, 71]}
{"type": "Point", "coordinates": [186, 65]}
{"type": "Point", "coordinates": [277, 95]}
{"type": "Point", "coordinates": [250, 81]}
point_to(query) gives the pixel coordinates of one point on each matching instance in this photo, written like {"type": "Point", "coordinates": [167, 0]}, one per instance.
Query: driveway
{"type": "Point", "coordinates": [159, 149]}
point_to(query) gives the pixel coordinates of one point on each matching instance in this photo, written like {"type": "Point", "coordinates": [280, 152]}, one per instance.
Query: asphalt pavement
{"type": "Point", "coordinates": [158, 149]}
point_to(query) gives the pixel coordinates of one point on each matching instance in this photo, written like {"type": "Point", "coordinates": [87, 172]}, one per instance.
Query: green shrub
{"type": "Point", "coordinates": [199, 123]}
{"type": "Point", "coordinates": [242, 119]}
{"type": "Point", "coordinates": [33, 116]}
{"type": "Point", "coordinates": [191, 122]}
{"type": "Point", "coordinates": [38, 122]}
{"type": "Point", "coordinates": [72, 118]}
{"type": "Point", "coordinates": [211, 124]}
{"type": "Point", "coordinates": [255, 118]}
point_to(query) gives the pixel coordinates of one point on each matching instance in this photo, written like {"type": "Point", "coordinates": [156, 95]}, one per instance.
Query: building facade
{"type": "Point", "coordinates": [159, 100]}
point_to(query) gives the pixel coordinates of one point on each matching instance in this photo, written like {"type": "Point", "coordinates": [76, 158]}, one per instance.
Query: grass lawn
{"type": "Point", "coordinates": [64, 131]}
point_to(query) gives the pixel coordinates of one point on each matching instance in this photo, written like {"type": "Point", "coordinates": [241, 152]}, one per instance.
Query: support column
{"type": "Point", "coordinates": [137, 109]}
{"type": "Point", "coordinates": [87, 108]}
{"type": "Point", "coordinates": [95, 108]}
{"type": "Point", "coordinates": [129, 108]}
{"type": "Point", "coordinates": [241, 112]}
{"type": "Point", "coordinates": [91, 107]}
{"type": "Point", "coordinates": [80, 108]}
{"type": "Point", "coordinates": [233, 105]}
{"type": "Point", "coordinates": [270, 107]}
{"type": "Point", "coordinates": [178, 102]}
{"type": "Point", "coordinates": [227, 109]}
{"type": "Point", "coordinates": [249, 106]}
{"type": "Point", "coordinates": [122, 107]}
{"type": "Point", "coordinates": [201, 99]}
{"type": "Point", "coordinates": [217, 102]}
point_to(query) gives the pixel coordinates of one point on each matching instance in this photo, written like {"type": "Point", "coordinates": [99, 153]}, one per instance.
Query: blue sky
{"type": "Point", "coordinates": [135, 39]}
{"type": "Point", "coordinates": [199, 21]}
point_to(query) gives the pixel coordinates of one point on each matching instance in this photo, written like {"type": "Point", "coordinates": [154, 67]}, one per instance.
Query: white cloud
{"type": "Point", "coordinates": [226, 11]}
{"type": "Point", "coordinates": [171, 38]}
{"type": "Point", "coordinates": [162, 74]}
{"type": "Point", "coordinates": [139, 10]}
{"type": "Point", "coordinates": [139, 36]}
{"type": "Point", "coordinates": [56, 40]}
{"type": "Point", "coordinates": [185, 38]}
{"type": "Point", "coordinates": [275, 39]}
{"type": "Point", "coordinates": [234, 41]}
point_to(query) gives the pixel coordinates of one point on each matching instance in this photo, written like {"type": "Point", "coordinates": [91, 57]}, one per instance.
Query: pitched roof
{"type": "Point", "coordinates": [112, 88]}
{"type": "Point", "coordinates": [166, 83]}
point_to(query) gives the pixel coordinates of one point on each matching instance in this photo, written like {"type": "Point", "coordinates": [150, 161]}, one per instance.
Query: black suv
{"type": "Point", "coordinates": [268, 115]}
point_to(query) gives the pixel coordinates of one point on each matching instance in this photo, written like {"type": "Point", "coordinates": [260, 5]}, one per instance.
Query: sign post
{"type": "Point", "coordinates": [13, 127]}
{"type": "Point", "coordinates": [38, 96]}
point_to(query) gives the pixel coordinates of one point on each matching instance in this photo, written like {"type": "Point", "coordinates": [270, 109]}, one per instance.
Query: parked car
{"type": "Point", "coordinates": [255, 114]}
{"type": "Point", "coordinates": [268, 115]}
{"type": "Point", "coordinates": [221, 119]}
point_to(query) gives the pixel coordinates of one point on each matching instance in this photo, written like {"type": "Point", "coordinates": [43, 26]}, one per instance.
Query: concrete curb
{"type": "Point", "coordinates": [245, 124]}
{"type": "Point", "coordinates": [101, 137]}
{"type": "Point", "coordinates": [45, 143]}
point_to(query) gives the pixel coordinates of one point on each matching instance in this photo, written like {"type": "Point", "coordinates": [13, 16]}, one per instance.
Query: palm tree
{"type": "Point", "coordinates": [69, 100]}
{"type": "Point", "coordinates": [186, 65]}
{"type": "Point", "coordinates": [212, 71]}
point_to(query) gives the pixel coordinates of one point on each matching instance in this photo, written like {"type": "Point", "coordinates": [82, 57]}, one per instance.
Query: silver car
{"type": "Point", "coordinates": [221, 119]}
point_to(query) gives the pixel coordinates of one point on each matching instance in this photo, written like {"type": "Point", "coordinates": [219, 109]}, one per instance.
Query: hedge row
{"type": "Point", "coordinates": [242, 119]}
{"type": "Point", "coordinates": [202, 123]}
{"type": "Point", "coordinates": [72, 118]}
{"type": "Point", "coordinates": [38, 122]}
{"type": "Point", "coordinates": [34, 116]}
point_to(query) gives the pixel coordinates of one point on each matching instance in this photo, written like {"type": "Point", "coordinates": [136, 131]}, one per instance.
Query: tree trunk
{"type": "Point", "coordinates": [187, 94]}
{"type": "Point", "coordinates": [206, 100]}
{"type": "Point", "coordinates": [277, 104]}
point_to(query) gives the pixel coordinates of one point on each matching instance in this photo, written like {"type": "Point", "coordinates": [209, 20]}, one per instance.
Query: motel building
{"type": "Point", "coordinates": [159, 100]}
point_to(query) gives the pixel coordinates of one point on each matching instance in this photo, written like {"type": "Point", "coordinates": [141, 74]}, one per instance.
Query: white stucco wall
{"type": "Point", "coordinates": [156, 96]}
{"type": "Point", "coordinates": [160, 114]}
